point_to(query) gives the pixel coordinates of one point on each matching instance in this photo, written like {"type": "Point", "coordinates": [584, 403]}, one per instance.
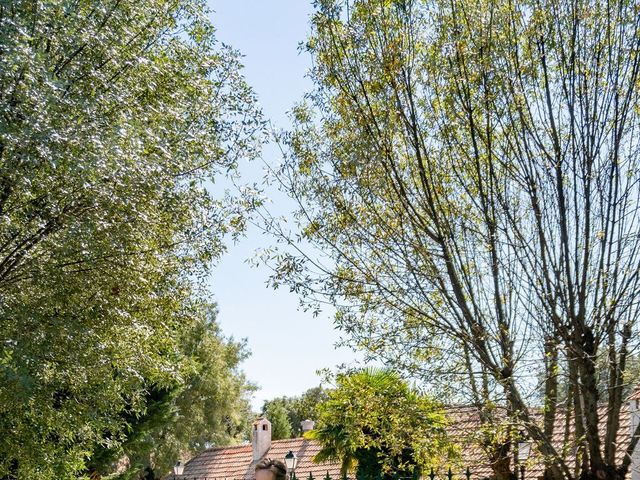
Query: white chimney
{"type": "Point", "coordinates": [307, 425]}
{"type": "Point", "coordinates": [261, 438]}
{"type": "Point", "coordinates": [634, 412]}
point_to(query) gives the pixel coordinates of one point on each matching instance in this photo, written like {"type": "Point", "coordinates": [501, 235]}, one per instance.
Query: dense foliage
{"type": "Point", "coordinates": [210, 408]}
{"type": "Point", "coordinates": [113, 118]}
{"type": "Point", "coordinates": [468, 171]}
{"type": "Point", "coordinates": [374, 423]}
{"type": "Point", "coordinates": [296, 409]}
{"type": "Point", "coordinates": [276, 413]}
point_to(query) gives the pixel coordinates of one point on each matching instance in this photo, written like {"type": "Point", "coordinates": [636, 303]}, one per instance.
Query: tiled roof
{"type": "Point", "coordinates": [236, 463]}
{"type": "Point", "coordinates": [635, 395]}
{"type": "Point", "coordinates": [464, 428]}
{"type": "Point", "coordinates": [622, 441]}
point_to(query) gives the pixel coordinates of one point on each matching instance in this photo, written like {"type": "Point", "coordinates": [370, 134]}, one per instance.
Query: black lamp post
{"type": "Point", "coordinates": [291, 461]}
{"type": "Point", "coordinates": [524, 449]}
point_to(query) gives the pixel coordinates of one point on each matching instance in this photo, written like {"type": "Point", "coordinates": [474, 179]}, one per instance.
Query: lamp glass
{"type": "Point", "coordinates": [524, 449]}
{"type": "Point", "coordinates": [178, 468]}
{"type": "Point", "coordinates": [291, 460]}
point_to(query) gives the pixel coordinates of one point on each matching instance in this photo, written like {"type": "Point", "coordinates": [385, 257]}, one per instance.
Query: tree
{"type": "Point", "coordinates": [210, 409]}
{"type": "Point", "coordinates": [277, 415]}
{"type": "Point", "coordinates": [468, 171]}
{"type": "Point", "coordinates": [374, 422]}
{"type": "Point", "coordinates": [116, 117]}
{"type": "Point", "coordinates": [298, 409]}
{"type": "Point", "coordinates": [305, 407]}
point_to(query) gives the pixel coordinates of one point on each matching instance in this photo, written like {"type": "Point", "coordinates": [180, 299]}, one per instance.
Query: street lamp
{"type": "Point", "coordinates": [178, 468]}
{"type": "Point", "coordinates": [524, 449]}
{"type": "Point", "coordinates": [291, 461]}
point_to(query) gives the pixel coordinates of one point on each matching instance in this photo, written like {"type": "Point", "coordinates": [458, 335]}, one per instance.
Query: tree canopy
{"type": "Point", "coordinates": [297, 409]}
{"type": "Point", "coordinates": [276, 412]}
{"type": "Point", "coordinates": [115, 118]}
{"type": "Point", "coordinates": [469, 173]}
{"type": "Point", "coordinates": [211, 408]}
{"type": "Point", "coordinates": [374, 423]}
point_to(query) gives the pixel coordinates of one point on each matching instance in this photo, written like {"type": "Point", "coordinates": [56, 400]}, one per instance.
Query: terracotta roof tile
{"type": "Point", "coordinates": [465, 426]}
{"type": "Point", "coordinates": [236, 463]}
{"type": "Point", "coordinates": [635, 395]}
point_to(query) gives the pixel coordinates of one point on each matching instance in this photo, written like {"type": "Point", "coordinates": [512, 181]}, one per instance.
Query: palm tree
{"type": "Point", "coordinates": [375, 423]}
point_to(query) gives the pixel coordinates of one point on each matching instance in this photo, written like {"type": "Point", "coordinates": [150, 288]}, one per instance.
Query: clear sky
{"type": "Point", "coordinates": [288, 346]}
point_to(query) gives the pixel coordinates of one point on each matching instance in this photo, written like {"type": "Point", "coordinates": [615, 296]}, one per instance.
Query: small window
{"type": "Point", "coordinates": [264, 427]}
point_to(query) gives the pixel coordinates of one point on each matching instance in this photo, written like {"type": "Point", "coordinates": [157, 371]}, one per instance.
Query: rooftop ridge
{"type": "Point", "coordinates": [284, 440]}
{"type": "Point", "coordinates": [228, 447]}
{"type": "Point", "coordinates": [248, 445]}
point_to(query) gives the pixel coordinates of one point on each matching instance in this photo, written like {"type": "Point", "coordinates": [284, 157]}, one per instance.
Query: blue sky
{"type": "Point", "coordinates": [288, 346]}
